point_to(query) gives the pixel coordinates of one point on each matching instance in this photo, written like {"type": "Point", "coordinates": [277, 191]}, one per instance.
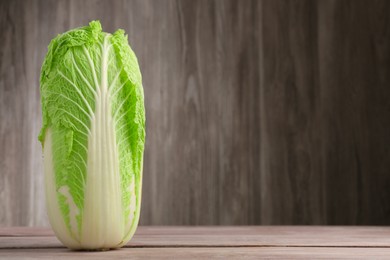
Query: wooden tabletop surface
{"type": "Point", "coordinates": [249, 242]}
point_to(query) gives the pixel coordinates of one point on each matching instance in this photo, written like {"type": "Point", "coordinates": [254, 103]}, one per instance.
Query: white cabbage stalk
{"type": "Point", "coordinates": [93, 138]}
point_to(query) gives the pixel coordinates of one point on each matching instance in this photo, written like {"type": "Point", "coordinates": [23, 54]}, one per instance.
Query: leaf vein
{"type": "Point", "coordinates": [74, 102]}
{"type": "Point", "coordinates": [78, 91]}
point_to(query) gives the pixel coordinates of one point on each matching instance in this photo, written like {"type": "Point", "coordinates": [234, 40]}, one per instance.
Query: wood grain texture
{"type": "Point", "coordinates": [355, 89]}
{"type": "Point", "coordinates": [203, 253]}
{"type": "Point", "coordinates": [270, 242]}
{"type": "Point", "coordinates": [221, 236]}
{"type": "Point", "coordinates": [326, 112]}
{"type": "Point", "coordinates": [258, 112]}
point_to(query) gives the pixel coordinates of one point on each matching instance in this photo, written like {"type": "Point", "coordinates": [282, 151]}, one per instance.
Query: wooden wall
{"type": "Point", "coordinates": [258, 112]}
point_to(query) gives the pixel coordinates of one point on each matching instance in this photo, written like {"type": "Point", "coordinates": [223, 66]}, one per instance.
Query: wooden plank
{"type": "Point", "coordinates": [291, 161]}
{"type": "Point", "coordinates": [203, 253]}
{"type": "Point", "coordinates": [201, 159]}
{"type": "Point", "coordinates": [25, 231]}
{"type": "Point", "coordinates": [354, 76]}
{"type": "Point", "coordinates": [281, 236]}
{"type": "Point", "coordinates": [21, 178]}
{"type": "Point", "coordinates": [325, 112]}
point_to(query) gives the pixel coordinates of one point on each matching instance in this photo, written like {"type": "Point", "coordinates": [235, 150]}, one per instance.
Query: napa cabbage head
{"type": "Point", "coordinates": [93, 137]}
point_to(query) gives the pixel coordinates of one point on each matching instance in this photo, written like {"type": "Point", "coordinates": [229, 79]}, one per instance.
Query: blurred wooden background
{"type": "Point", "coordinates": [258, 112]}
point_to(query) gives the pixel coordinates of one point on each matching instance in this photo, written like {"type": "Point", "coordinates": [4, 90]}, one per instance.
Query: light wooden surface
{"type": "Point", "coordinates": [273, 242]}
{"type": "Point", "coordinates": [258, 112]}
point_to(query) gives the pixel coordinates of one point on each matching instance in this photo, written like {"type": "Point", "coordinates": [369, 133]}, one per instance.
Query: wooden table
{"type": "Point", "coordinates": [249, 242]}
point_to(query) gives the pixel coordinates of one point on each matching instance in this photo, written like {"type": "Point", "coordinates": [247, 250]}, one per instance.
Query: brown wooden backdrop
{"type": "Point", "coordinates": [258, 112]}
